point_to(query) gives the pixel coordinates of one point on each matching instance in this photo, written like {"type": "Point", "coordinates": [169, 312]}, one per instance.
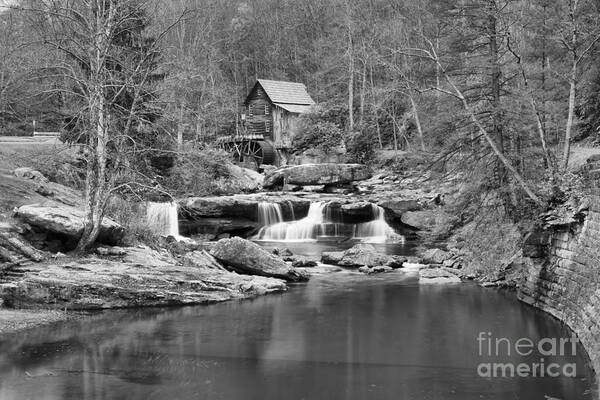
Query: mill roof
{"type": "Point", "coordinates": [281, 92]}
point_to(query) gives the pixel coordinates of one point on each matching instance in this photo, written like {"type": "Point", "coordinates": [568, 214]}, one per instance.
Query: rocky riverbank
{"type": "Point", "coordinates": [120, 277]}
{"type": "Point", "coordinates": [41, 221]}
{"type": "Point", "coordinates": [12, 321]}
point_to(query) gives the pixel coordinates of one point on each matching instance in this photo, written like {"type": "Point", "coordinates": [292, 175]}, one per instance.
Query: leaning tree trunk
{"type": "Point", "coordinates": [485, 134]}
{"type": "Point", "coordinates": [572, 84]}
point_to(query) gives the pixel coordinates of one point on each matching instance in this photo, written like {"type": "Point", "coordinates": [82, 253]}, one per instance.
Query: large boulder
{"type": "Point", "coordinates": [437, 276]}
{"type": "Point", "coordinates": [362, 255]}
{"type": "Point", "coordinates": [361, 211]}
{"type": "Point", "coordinates": [435, 256]}
{"type": "Point", "coordinates": [239, 206]}
{"type": "Point", "coordinates": [420, 220]}
{"type": "Point", "coordinates": [67, 221]}
{"type": "Point", "coordinates": [28, 186]}
{"type": "Point", "coordinates": [30, 173]}
{"type": "Point", "coordinates": [247, 257]}
{"type": "Point", "coordinates": [249, 180]}
{"type": "Point", "coordinates": [399, 207]}
{"type": "Point", "coordinates": [332, 257]}
{"type": "Point", "coordinates": [317, 174]}
{"type": "Point", "coordinates": [220, 206]}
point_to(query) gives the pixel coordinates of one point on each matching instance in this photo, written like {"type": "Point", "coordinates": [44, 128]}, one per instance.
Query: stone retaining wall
{"type": "Point", "coordinates": [563, 277]}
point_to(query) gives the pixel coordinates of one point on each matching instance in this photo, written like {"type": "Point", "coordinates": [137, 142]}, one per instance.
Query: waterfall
{"type": "Point", "coordinates": [269, 213]}
{"type": "Point", "coordinates": [291, 206]}
{"type": "Point", "coordinates": [321, 224]}
{"type": "Point", "coordinates": [162, 218]}
{"type": "Point", "coordinates": [309, 228]}
{"type": "Point", "coordinates": [377, 230]}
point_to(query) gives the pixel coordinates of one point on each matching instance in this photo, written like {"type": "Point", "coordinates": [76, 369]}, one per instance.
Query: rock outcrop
{"type": "Point", "coordinates": [67, 221]}
{"type": "Point", "coordinates": [247, 179]}
{"type": "Point", "coordinates": [241, 206]}
{"type": "Point", "coordinates": [362, 255]}
{"type": "Point", "coordinates": [332, 257]}
{"type": "Point", "coordinates": [420, 220]}
{"type": "Point", "coordinates": [247, 257]}
{"type": "Point", "coordinates": [132, 277]}
{"type": "Point", "coordinates": [317, 174]}
{"type": "Point", "coordinates": [219, 216]}
{"type": "Point", "coordinates": [435, 256]}
{"type": "Point", "coordinates": [437, 276]}
{"type": "Point", "coordinates": [28, 186]}
{"type": "Point", "coordinates": [30, 173]}
{"type": "Point", "coordinates": [399, 206]}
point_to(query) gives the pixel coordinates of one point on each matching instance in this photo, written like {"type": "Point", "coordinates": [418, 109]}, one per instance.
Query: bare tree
{"type": "Point", "coordinates": [579, 38]}
{"type": "Point", "coordinates": [108, 60]}
{"type": "Point", "coordinates": [454, 91]}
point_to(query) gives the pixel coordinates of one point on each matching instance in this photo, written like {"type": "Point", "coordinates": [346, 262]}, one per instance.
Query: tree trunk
{"type": "Point", "coordinates": [96, 190]}
{"type": "Point", "coordinates": [572, 83]}
{"type": "Point", "coordinates": [180, 129]}
{"type": "Point", "coordinates": [496, 77]}
{"type": "Point", "coordinates": [415, 113]}
{"type": "Point", "coordinates": [363, 89]}
{"type": "Point", "coordinates": [413, 104]}
{"type": "Point", "coordinates": [570, 118]}
{"type": "Point", "coordinates": [395, 132]}
{"type": "Point", "coordinates": [380, 141]}
{"type": "Point", "coordinates": [8, 241]}
{"type": "Point", "coordinates": [350, 52]}
{"type": "Point", "coordinates": [489, 139]}
{"type": "Point", "coordinates": [350, 87]}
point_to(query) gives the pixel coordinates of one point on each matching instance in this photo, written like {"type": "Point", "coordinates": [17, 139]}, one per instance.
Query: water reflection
{"type": "Point", "coordinates": [338, 337]}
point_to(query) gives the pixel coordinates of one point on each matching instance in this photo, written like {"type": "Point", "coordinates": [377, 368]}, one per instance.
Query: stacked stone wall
{"type": "Point", "coordinates": [565, 280]}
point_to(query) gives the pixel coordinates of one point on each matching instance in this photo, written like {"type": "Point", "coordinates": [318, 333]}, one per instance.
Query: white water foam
{"type": "Point", "coordinates": [320, 224]}
{"type": "Point", "coordinates": [377, 230]}
{"type": "Point", "coordinates": [163, 218]}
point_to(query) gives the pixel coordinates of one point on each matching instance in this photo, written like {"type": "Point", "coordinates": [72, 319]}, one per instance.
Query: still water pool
{"type": "Point", "coordinates": [341, 336]}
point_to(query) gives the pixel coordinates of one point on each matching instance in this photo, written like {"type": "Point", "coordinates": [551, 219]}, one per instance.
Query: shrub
{"type": "Point", "coordinates": [205, 171]}
{"type": "Point", "coordinates": [361, 147]}
{"type": "Point", "coordinates": [318, 131]}
{"type": "Point", "coordinates": [132, 216]}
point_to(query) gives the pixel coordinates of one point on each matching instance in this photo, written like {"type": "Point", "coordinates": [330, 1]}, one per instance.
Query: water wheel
{"type": "Point", "coordinates": [233, 147]}
{"type": "Point", "coordinates": [260, 151]}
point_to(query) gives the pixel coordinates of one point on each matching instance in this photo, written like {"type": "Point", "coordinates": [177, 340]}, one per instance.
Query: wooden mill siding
{"type": "Point", "coordinates": [259, 115]}
{"type": "Point", "coordinates": [285, 127]}
{"type": "Point", "coordinates": [266, 113]}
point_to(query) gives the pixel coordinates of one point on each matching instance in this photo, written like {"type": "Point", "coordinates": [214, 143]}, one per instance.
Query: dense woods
{"type": "Point", "coordinates": [494, 90]}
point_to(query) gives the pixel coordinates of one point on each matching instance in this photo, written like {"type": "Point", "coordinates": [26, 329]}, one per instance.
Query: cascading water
{"type": "Point", "coordinates": [305, 229]}
{"type": "Point", "coordinates": [162, 217]}
{"type": "Point", "coordinates": [269, 213]}
{"type": "Point", "coordinates": [320, 224]}
{"type": "Point", "coordinates": [377, 230]}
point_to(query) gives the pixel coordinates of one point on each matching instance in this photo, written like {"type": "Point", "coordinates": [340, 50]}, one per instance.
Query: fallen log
{"type": "Point", "coordinates": [12, 241]}
{"type": "Point", "coordinates": [8, 257]}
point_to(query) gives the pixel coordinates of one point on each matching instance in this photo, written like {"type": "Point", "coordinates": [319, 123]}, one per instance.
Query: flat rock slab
{"type": "Point", "coordinates": [317, 174]}
{"type": "Point", "coordinates": [26, 186]}
{"type": "Point", "coordinates": [240, 206]}
{"type": "Point", "coordinates": [362, 255]}
{"type": "Point", "coordinates": [67, 221]}
{"type": "Point", "coordinates": [437, 276]}
{"type": "Point", "coordinates": [247, 257]}
{"type": "Point", "coordinates": [420, 220]}
{"type": "Point", "coordinates": [141, 278]}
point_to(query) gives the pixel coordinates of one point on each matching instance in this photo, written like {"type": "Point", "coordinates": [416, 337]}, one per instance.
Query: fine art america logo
{"type": "Point", "coordinates": [546, 355]}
